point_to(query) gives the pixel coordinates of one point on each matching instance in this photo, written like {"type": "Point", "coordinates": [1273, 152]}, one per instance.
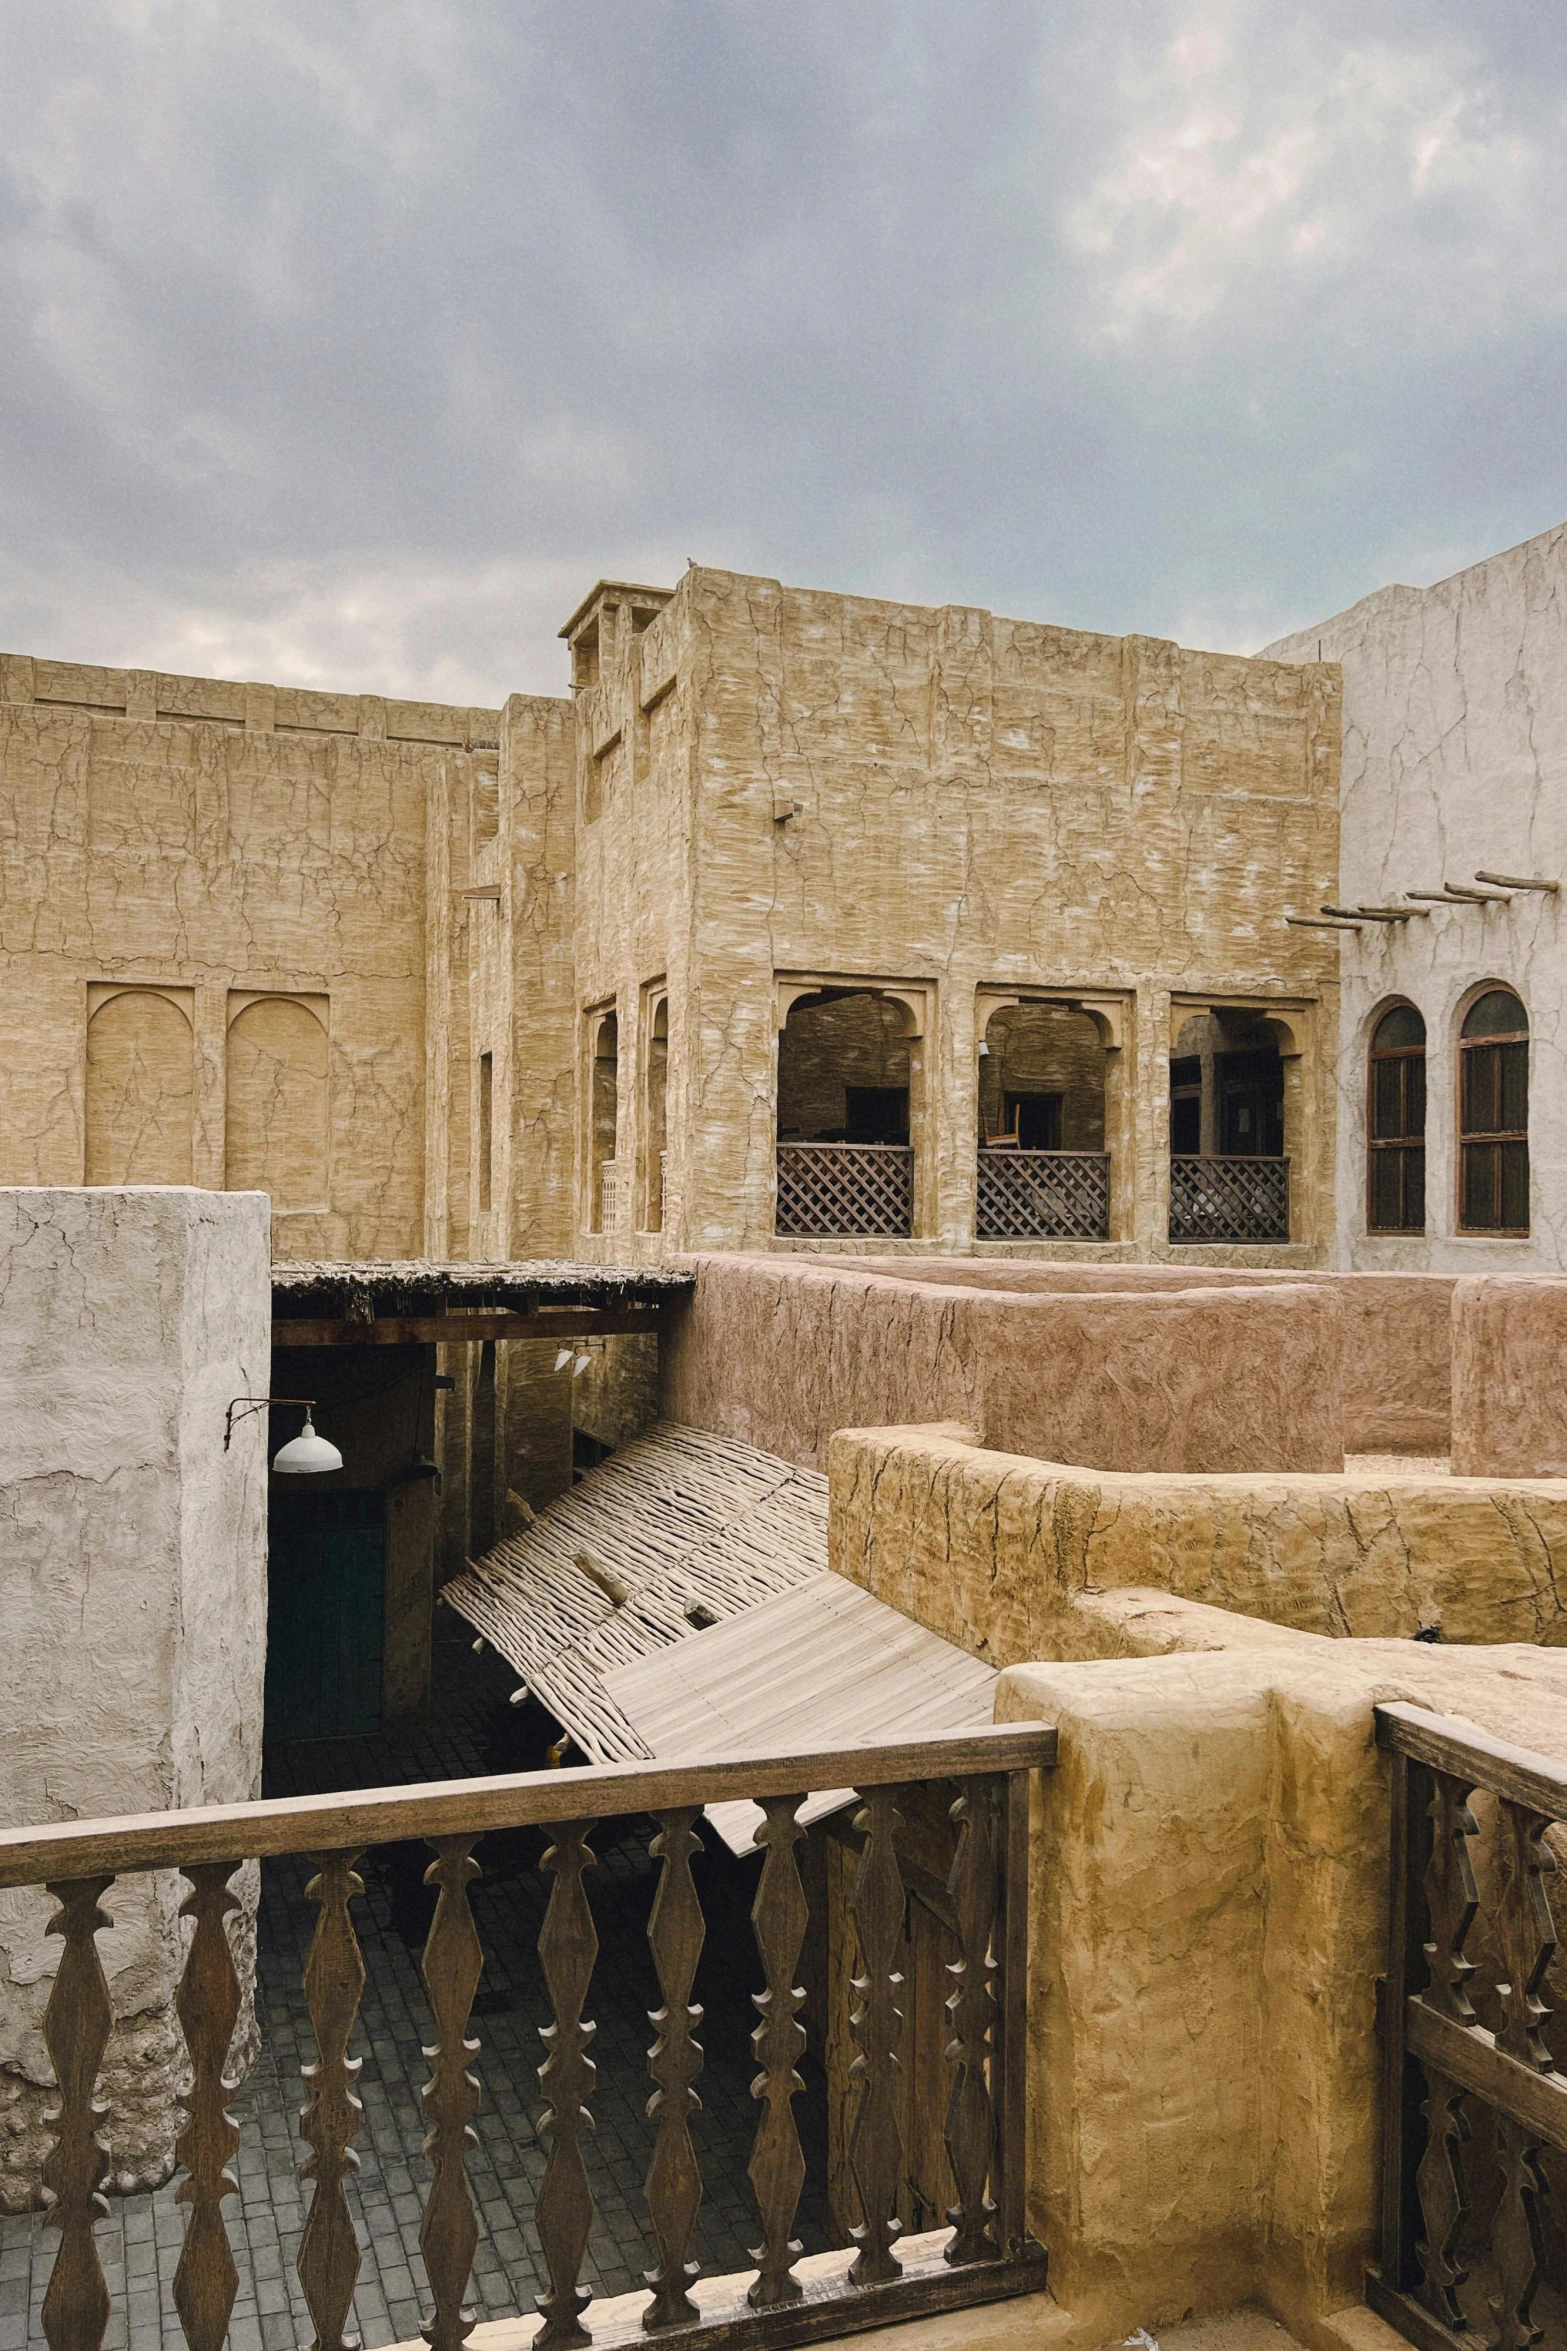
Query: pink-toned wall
{"type": "Point", "coordinates": [781, 1351]}
{"type": "Point", "coordinates": [1510, 1376]}
{"type": "Point", "coordinates": [1397, 1345]}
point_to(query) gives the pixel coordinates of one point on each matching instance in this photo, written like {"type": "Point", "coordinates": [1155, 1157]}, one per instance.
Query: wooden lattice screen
{"type": "Point", "coordinates": [1043, 1195]}
{"type": "Point", "coordinates": [845, 1188]}
{"type": "Point", "coordinates": [1214, 1199]}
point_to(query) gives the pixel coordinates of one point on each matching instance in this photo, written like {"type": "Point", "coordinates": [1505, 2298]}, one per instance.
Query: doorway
{"type": "Point", "coordinates": [326, 1605]}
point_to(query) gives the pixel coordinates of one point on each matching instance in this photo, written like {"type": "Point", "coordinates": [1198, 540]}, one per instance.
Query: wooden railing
{"type": "Point", "coordinates": [1044, 1195]}
{"type": "Point", "coordinates": [830, 1190]}
{"type": "Point", "coordinates": [988, 2255]}
{"type": "Point", "coordinates": [1226, 1198]}
{"type": "Point", "coordinates": [1472, 2095]}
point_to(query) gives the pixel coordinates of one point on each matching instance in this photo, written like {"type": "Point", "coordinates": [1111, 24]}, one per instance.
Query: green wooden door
{"type": "Point", "coordinates": [326, 1576]}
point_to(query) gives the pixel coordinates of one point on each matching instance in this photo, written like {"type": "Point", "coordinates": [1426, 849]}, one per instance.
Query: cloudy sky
{"type": "Point", "coordinates": [349, 341]}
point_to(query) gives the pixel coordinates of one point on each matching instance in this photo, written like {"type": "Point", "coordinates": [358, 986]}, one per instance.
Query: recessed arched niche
{"type": "Point", "coordinates": [275, 1134]}
{"type": "Point", "coordinates": [141, 1086]}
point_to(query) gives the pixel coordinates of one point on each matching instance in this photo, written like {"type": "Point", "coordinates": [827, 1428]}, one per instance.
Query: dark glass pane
{"type": "Point", "coordinates": [1515, 1186]}
{"type": "Point", "coordinates": [1514, 1115]}
{"type": "Point", "coordinates": [1387, 1098]}
{"type": "Point", "coordinates": [1477, 1205]}
{"type": "Point", "coordinates": [1402, 1026]}
{"type": "Point", "coordinates": [1477, 1067]}
{"type": "Point", "coordinates": [1414, 1188]}
{"type": "Point", "coordinates": [1497, 1013]}
{"type": "Point", "coordinates": [1386, 1192]}
{"type": "Point", "coordinates": [1415, 1097]}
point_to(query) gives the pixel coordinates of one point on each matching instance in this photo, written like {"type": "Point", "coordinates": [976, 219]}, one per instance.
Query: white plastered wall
{"type": "Point", "coordinates": [132, 1595]}
{"type": "Point", "coordinates": [1455, 761]}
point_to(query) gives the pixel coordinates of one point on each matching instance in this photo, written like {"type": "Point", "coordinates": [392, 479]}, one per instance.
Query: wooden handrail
{"type": "Point", "coordinates": [1444, 1744]}
{"type": "Point", "coordinates": [447, 1808]}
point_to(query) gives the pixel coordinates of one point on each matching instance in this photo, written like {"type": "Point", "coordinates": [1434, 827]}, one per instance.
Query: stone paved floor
{"type": "Point", "coordinates": [140, 2242]}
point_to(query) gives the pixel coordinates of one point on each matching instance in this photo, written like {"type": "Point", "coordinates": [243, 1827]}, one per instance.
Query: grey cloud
{"type": "Point", "coordinates": [352, 338]}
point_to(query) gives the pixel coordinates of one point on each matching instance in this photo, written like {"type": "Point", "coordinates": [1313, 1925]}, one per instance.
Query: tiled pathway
{"type": "Point", "coordinates": [140, 2242]}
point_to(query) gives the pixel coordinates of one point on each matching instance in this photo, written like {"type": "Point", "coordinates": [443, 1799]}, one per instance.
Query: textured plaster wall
{"type": "Point", "coordinates": [779, 783]}
{"type": "Point", "coordinates": [1455, 740]}
{"type": "Point", "coordinates": [1210, 1866]}
{"type": "Point", "coordinates": [781, 1352]}
{"type": "Point", "coordinates": [219, 847]}
{"type": "Point", "coordinates": [132, 1593]}
{"type": "Point", "coordinates": [999, 1552]}
{"type": "Point", "coordinates": [1397, 1329]}
{"type": "Point", "coordinates": [1509, 1380]}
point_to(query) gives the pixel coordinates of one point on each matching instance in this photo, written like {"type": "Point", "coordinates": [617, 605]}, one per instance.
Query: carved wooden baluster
{"type": "Point", "coordinates": [208, 2002]}
{"type": "Point", "coordinates": [876, 2139]}
{"type": "Point", "coordinates": [1451, 1900]}
{"type": "Point", "coordinates": [1439, 2185]}
{"type": "Point", "coordinates": [975, 1886]}
{"type": "Point", "coordinates": [329, 2120]}
{"type": "Point", "coordinates": [77, 2023]}
{"type": "Point", "coordinates": [674, 2184]}
{"type": "Point", "coordinates": [1524, 1932]}
{"type": "Point", "coordinates": [453, 1964]}
{"type": "Point", "coordinates": [568, 1947]}
{"type": "Point", "coordinates": [1451, 1897]}
{"type": "Point", "coordinates": [777, 2166]}
{"type": "Point", "coordinates": [1518, 2235]}
{"type": "Point", "coordinates": [1526, 1937]}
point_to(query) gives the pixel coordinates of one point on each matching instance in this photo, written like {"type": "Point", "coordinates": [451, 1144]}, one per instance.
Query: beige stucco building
{"type": "Point", "coordinates": [805, 917]}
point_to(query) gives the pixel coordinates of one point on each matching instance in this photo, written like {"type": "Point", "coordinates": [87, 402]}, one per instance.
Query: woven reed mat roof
{"type": "Point", "coordinates": [677, 1521]}
{"type": "Point", "coordinates": [364, 1288]}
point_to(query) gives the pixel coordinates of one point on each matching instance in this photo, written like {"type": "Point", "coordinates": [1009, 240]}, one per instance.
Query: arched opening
{"type": "Point", "coordinates": [846, 1064]}
{"type": "Point", "coordinates": [1493, 1115]}
{"type": "Point", "coordinates": [1229, 1176]}
{"type": "Point", "coordinates": [604, 1105]}
{"type": "Point", "coordinates": [656, 1122]}
{"type": "Point", "coordinates": [1396, 1123]}
{"type": "Point", "coordinates": [1044, 1172]}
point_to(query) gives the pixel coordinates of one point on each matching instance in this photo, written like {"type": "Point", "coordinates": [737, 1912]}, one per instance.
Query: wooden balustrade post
{"type": "Point", "coordinates": [777, 2167]}
{"type": "Point", "coordinates": [1452, 1900]}
{"type": "Point", "coordinates": [876, 2139]}
{"type": "Point", "coordinates": [208, 2002]}
{"type": "Point", "coordinates": [329, 2120]}
{"type": "Point", "coordinates": [568, 1947]}
{"type": "Point", "coordinates": [674, 2183]}
{"type": "Point", "coordinates": [453, 1964]}
{"type": "Point", "coordinates": [970, 2128]}
{"type": "Point", "coordinates": [77, 2023]}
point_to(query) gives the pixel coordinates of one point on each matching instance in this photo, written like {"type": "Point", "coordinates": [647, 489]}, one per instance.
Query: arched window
{"type": "Point", "coordinates": [1493, 1116]}
{"type": "Point", "coordinates": [1396, 1124]}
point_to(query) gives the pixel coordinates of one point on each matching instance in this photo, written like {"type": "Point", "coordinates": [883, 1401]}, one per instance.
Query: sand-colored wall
{"type": "Point", "coordinates": [778, 786]}
{"type": "Point", "coordinates": [132, 1597]}
{"type": "Point", "coordinates": [998, 1552]}
{"type": "Point", "coordinates": [1397, 1329]}
{"type": "Point", "coordinates": [212, 940]}
{"type": "Point", "coordinates": [1210, 1862]}
{"type": "Point", "coordinates": [1510, 1376]}
{"type": "Point", "coordinates": [781, 1352]}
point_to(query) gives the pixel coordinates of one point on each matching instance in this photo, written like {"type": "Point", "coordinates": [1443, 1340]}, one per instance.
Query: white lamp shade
{"type": "Point", "coordinates": [306, 1454]}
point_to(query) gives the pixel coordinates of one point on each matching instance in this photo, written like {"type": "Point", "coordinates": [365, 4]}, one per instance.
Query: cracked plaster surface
{"type": "Point", "coordinates": [1455, 746]}
{"type": "Point", "coordinates": [133, 1594]}
{"type": "Point", "coordinates": [1000, 1553]}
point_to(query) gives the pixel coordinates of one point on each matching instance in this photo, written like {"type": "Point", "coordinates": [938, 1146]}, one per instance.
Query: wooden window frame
{"type": "Point", "coordinates": [1463, 1140]}
{"type": "Point", "coordinates": [1403, 1144]}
